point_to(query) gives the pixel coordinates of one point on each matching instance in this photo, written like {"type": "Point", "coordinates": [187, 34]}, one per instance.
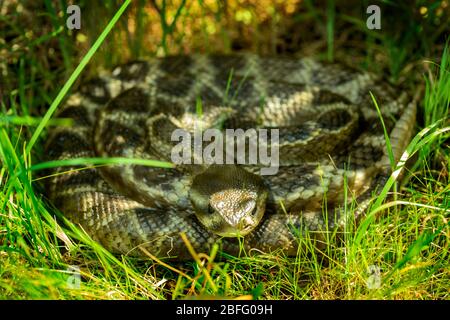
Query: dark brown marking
{"type": "Point", "coordinates": [334, 119]}
{"type": "Point", "coordinates": [78, 113]}
{"type": "Point", "coordinates": [327, 97]}
{"type": "Point", "coordinates": [167, 107]}
{"type": "Point", "coordinates": [280, 68]}
{"type": "Point", "coordinates": [225, 63]}
{"type": "Point", "coordinates": [80, 178]}
{"type": "Point", "coordinates": [131, 100]}
{"type": "Point", "coordinates": [237, 88]}
{"type": "Point", "coordinates": [64, 141]}
{"type": "Point", "coordinates": [334, 74]}
{"type": "Point", "coordinates": [360, 156]}
{"type": "Point", "coordinates": [96, 91]}
{"type": "Point", "coordinates": [122, 138]}
{"type": "Point", "coordinates": [133, 71]}
{"type": "Point", "coordinates": [175, 85]}
{"type": "Point", "coordinates": [176, 65]}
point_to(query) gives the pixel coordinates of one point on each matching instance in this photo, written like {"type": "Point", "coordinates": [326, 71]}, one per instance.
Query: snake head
{"type": "Point", "coordinates": [228, 200]}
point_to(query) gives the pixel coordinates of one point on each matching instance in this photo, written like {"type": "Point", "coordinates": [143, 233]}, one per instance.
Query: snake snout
{"type": "Point", "coordinates": [228, 200]}
{"type": "Point", "coordinates": [247, 224]}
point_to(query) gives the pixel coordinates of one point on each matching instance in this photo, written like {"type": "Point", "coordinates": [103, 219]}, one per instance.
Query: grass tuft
{"type": "Point", "coordinates": [400, 250]}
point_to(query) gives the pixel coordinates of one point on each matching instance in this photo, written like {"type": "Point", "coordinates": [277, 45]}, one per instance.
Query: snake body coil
{"type": "Point", "coordinates": [331, 138]}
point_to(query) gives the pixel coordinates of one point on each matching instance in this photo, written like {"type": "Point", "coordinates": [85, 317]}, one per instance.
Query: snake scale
{"type": "Point", "coordinates": [332, 150]}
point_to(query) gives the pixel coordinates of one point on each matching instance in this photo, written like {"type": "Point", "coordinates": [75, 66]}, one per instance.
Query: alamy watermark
{"type": "Point", "coordinates": [374, 279]}
{"type": "Point", "coordinates": [228, 147]}
{"type": "Point", "coordinates": [374, 20]}
{"type": "Point", "coordinates": [74, 280]}
{"type": "Point", "coordinates": [74, 19]}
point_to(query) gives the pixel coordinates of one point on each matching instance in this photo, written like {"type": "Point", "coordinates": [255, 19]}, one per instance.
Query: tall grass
{"type": "Point", "coordinates": [399, 251]}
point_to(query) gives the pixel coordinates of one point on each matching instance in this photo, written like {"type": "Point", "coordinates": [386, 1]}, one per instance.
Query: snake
{"type": "Point", "coordinates": [332, 120]}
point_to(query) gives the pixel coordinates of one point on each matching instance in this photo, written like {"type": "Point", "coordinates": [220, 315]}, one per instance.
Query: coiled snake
{"type": "Point", "coordinates": [331, 138]}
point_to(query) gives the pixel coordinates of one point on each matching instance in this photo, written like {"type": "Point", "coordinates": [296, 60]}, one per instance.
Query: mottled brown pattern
{"type": "Point", "coordinates": [328, 125]}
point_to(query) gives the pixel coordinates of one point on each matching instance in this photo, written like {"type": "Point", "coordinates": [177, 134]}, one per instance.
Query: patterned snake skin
{"type": "Point", "coordinates": [329, 129]}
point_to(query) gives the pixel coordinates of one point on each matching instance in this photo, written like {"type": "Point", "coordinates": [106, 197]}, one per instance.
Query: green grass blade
{"type": "Point", "coordinates": [101, 161]}
{"type": "Point", "coordinates": [62, 93]}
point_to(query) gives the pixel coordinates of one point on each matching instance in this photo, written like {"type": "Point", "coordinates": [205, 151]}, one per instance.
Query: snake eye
{"type": "Point", "coordinates": [210, 209]}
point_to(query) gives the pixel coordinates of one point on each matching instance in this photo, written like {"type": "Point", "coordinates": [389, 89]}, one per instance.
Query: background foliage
{"type": "Point", "coordinates": [409, 242]}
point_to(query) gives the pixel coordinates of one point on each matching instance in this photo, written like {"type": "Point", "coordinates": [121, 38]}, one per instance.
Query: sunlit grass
{"type": "Point", "coordinates": [406, 237]}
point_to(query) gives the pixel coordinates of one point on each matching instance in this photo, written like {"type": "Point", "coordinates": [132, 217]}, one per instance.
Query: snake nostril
{"type": "Point", "coordinates": [247, 223]}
